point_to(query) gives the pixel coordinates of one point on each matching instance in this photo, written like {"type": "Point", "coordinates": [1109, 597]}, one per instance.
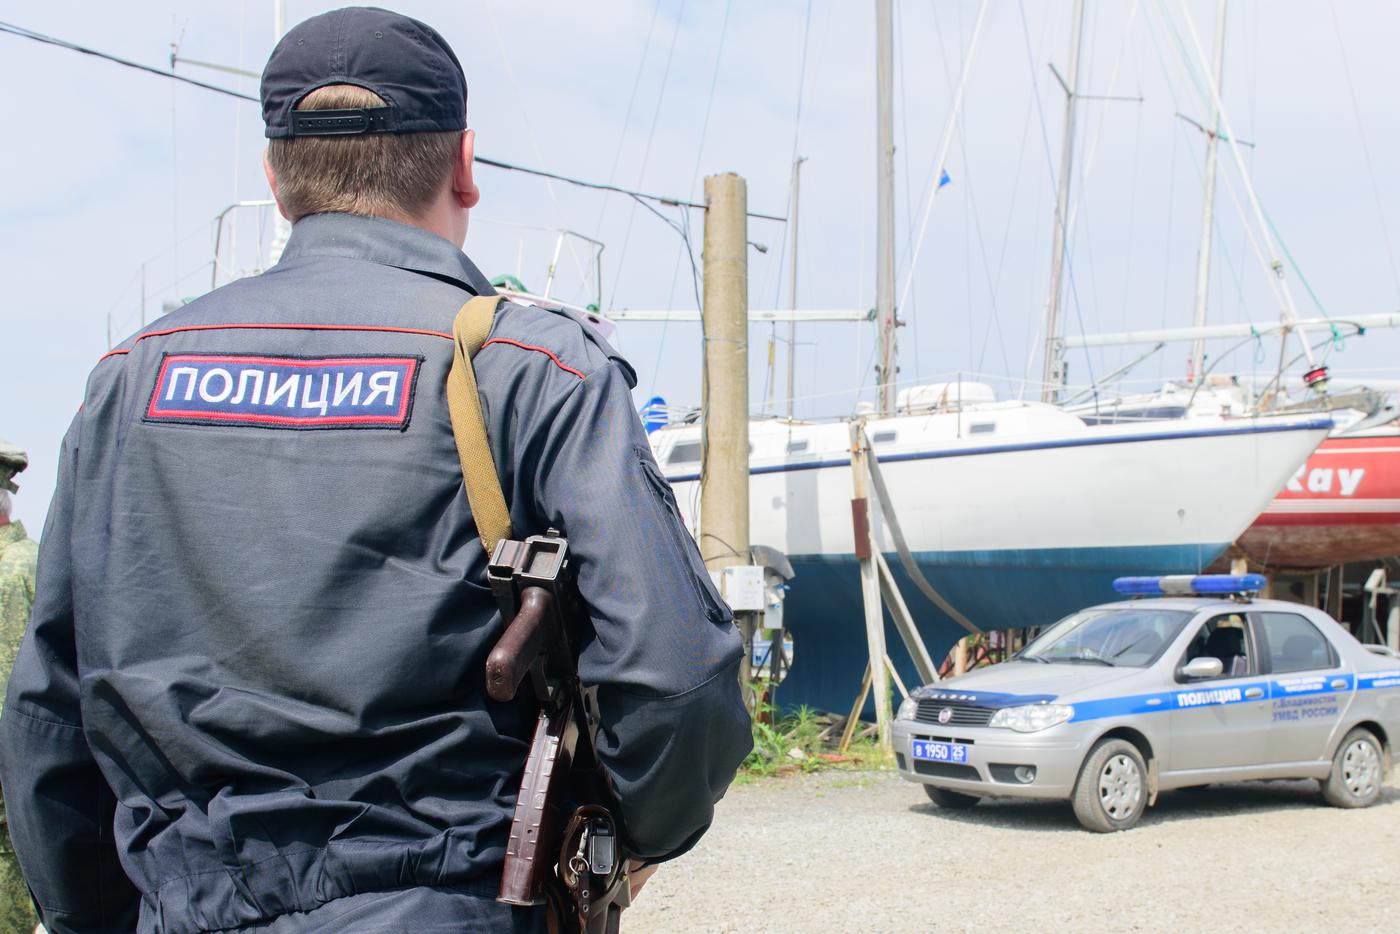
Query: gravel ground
{"type": "Point", "coordinates": [867, 852]}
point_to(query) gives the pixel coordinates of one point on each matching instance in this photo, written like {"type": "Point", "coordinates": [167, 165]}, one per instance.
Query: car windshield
{"type": "Point", "coordinates": [1123, 637]}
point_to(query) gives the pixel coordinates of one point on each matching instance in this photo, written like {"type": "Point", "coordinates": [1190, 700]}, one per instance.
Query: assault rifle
{"type": "Point", "coordinates": [564, 849]}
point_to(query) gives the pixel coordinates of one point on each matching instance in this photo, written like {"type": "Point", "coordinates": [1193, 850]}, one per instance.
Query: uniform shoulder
{"type": "Point", "coordinates": [575, 346]}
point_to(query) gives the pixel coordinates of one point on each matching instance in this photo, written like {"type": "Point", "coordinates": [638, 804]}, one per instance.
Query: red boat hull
{"type": "Point", "coordinates": [1342, 506]}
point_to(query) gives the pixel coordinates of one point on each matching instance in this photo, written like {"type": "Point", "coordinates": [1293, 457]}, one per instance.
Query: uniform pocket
{"type": "Point", "coordinates": [685, 547]}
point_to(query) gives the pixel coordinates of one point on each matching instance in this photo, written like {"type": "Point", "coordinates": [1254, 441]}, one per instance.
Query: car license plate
{"type": "Point", "coordinates": [939, 752]}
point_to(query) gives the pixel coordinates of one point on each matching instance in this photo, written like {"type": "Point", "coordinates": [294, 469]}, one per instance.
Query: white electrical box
{"type": "Point", "coordinates": [742, 588]}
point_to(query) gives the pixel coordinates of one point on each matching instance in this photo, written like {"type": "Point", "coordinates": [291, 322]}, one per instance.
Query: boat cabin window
{"type": "Point", "coordinates": [982, 428]}
{"type": "Point", "coordinates": [884, 437]}
{"type": "Point", "coordinates": [797, 447]}
{"type": "Point", "coordinates": [686, 452]}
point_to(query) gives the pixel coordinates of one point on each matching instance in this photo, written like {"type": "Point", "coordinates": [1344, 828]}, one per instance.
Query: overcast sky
{"type": "Point", "coordinates": [106, 169]}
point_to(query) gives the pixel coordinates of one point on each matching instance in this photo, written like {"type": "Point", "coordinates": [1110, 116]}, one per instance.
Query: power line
{"type": "Point", "coordinates": [599, 186]}
{"type": "Point", "coordinates": [646, 151]}
{"type": "Point", "coordinates": [524, 112]}
{"type": "Point", "coordinates": [1365, 151]}
{"type": "Point", "coordinates": [627, 117]}
{"type": "Point", "coordinates": [24, 33]}
{"type": "Point", "coordinates": [694, 182]}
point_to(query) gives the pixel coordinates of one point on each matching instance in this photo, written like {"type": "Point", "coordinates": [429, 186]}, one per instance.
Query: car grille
{"type": "Point", "coordinates": [946, 770]}
{"type": "Point", "coordinates": [963, 714]}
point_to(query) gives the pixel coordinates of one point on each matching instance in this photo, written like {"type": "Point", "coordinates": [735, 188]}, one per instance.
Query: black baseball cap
{"type": "Point", "coordinates": [405, 62]}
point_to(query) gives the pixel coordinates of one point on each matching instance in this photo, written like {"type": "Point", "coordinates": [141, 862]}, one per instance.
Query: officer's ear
{"type": "Point", "coordinates": [272, 183]}
{"type": "Point", "coordinates": [464, 190]}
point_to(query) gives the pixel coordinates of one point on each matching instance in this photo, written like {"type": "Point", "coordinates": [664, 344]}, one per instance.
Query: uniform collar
{"type": "Point", "coordinates": [11, 533]}
{"type": "Point", "coordinates": [387, 242]}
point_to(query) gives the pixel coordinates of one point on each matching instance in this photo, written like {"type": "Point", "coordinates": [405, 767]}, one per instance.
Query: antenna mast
{"type": "Point", "coordinates": [1316, 377]}
{"type": "Point", "coordinates": [884, 226]}
{"type": "Point", "coordinates": [792, 296]}
{"type": "Point", "coordinates": [1198, 347]}
{"type": "Point", "coordinates": [1053, 376]}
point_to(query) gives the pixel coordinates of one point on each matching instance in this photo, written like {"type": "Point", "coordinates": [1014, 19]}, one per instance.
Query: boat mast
{"type": "Point", "coordinates": [792, 293]}
{"type": "Point", "coordinates": [1053, 376]}
{"type": "Point", "coordinates": [1316, 377]}
{"type": "Point", "coordinates": [884, 201]}
{"type": "Point", "coordinates": [1198, 348]}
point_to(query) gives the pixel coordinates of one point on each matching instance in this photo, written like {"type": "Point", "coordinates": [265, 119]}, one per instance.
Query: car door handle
{"type": "Point", "coordinates": [1339, 683]}
{"type": "Point", "coordinates": [1253, 693]}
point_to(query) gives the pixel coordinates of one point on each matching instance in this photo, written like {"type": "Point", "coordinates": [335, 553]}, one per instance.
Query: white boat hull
{"type": "Point", "coordinates": [1014, 530]}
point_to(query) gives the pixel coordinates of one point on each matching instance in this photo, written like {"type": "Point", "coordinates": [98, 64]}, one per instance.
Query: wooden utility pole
{"type": "Point", "coordinates": [724, 425]}
{"type": "Point", "coordinates": [869, 588]}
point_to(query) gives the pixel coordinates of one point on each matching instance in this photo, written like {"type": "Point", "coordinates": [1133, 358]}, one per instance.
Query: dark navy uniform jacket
{"type": "Point", "coordinates": [253, 683]}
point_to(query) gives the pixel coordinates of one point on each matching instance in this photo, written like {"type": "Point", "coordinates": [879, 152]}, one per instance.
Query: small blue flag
{"type": "Point", "coordinates": [944, 179]}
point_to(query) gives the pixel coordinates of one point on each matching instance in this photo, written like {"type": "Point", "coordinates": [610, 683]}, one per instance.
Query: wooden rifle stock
{"type": "Point", "coordinates": [535, 826]}
{"type": "Point", "coordinates": [579, 868]}
{"type": "Point", "coordinates": [523, 646]}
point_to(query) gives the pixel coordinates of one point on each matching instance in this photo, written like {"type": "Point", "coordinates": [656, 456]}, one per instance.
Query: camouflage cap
{"type": "Point", "coordinates": [12, 461]}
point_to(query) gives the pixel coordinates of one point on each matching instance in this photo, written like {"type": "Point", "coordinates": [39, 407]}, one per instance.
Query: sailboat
{"type": "Point", "coordinates": [1017, 512]}
{"type": "Point", "coordinates": [1343, 504]}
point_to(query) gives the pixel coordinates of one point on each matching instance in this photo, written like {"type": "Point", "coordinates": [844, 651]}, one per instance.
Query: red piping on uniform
{"type": "Point", "coordinates": [285, 327]}
{"type": "Point", "coordinates": [337, 327]}
{"type": "Point", "coordinates": [557, 362]}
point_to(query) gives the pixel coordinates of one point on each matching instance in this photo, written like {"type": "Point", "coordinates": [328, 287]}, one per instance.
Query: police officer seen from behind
{"type": "Point", "coordinates": [277, 721]}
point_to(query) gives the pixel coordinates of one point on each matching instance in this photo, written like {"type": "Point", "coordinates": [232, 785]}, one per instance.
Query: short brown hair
{"type": "Point", "coordinates": [381, 174]}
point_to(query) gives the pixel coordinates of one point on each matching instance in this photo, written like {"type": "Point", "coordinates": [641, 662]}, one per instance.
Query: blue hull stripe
{"type": "Point", "coordinates": [995, 589]}
{"type": "Point", "coordinates": [1314, 425]}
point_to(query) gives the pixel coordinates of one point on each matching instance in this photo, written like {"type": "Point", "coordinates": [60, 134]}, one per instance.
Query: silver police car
{"type": "Point", "coordinates": [1198, 684]}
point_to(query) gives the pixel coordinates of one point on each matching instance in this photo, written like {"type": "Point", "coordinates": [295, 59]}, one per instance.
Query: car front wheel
{"type": "Point", "coordinates": [1111, 792]}
{"type": "Point", "coordinates": [1357, 772]}
{"type": "Point", "coordinates": [952, 800]}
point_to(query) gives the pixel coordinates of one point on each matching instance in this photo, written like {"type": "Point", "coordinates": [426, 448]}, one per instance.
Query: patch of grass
{"type": "Point", "coordinates": [784, 743]}
{"type": "Point", "coordinates": [802, 742]}
{"type": "Point", "coordinates": [866, 756]}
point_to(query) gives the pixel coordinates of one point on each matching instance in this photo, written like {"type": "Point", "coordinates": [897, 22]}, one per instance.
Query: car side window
{"type": "Point", "coordinates": [1226, 638]}
{"type": "Point", "coordinates": [1294, 644]}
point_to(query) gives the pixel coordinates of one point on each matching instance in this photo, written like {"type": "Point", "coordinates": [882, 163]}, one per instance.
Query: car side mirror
{"type": "Point", "coordinates": [1200, 668]}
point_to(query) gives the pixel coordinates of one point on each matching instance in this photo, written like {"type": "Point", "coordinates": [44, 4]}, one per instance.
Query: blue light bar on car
{"type": "Point", "coordinates": [1189, 584]}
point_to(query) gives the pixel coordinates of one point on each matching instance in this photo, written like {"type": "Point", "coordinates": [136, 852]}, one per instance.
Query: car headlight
{"type": "Point", "coordinates": [1032, 718]}
{"type": "Point", "coordinates": [908, 709]}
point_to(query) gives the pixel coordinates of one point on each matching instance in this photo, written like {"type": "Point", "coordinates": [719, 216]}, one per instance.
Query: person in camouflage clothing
{"type": "Point", "coordinates": [18, 558]}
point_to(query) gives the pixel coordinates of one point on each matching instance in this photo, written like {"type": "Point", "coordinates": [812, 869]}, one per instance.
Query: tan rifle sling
{"type": "Point", "coordinates": [469, 330]}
